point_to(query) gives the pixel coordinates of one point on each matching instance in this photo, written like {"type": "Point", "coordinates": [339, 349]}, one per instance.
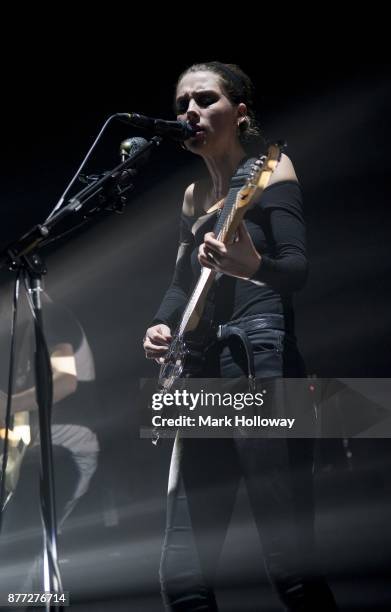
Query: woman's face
{"type": "Point", "coordinates": [201, 101]}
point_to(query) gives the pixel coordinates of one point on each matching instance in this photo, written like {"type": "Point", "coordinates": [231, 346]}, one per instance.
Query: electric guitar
{"type": "Point", "coordinates": [178, 360]}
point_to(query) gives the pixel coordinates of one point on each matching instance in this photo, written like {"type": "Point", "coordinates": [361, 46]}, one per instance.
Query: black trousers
{"type": "Point", "coordinates": [203, 483]}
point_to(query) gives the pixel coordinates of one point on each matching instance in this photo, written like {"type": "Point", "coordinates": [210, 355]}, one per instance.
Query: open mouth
{"type": "Point", "coordinates": [199, 131]}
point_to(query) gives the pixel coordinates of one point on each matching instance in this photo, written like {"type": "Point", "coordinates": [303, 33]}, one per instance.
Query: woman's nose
{"type": "Point", "coordinates": [192, 109]}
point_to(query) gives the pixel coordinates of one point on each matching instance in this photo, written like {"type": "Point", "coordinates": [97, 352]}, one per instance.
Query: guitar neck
{"type": "Point", "coordinates": [225, 228]}
{"type": "Point", "coordinates": [232, 213]}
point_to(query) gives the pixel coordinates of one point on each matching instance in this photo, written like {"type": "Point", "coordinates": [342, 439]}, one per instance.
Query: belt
{"type": "Point", "coordinates": [238, 327]}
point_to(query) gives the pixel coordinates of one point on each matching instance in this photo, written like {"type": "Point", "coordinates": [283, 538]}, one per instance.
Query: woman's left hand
{"type": "Point", "coordinates": [239, 259]}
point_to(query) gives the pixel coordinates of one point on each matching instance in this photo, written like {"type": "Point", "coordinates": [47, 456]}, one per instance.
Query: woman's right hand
{"type": "Point", "coordinates": [156, 342]}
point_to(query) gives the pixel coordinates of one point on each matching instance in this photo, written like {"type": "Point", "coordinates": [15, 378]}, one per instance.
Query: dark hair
{"type": "Point", "coordinates": [239, 88]}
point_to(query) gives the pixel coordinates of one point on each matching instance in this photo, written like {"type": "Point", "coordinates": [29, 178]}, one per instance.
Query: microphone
{"type": "Point", "coordinates": [177, 130]}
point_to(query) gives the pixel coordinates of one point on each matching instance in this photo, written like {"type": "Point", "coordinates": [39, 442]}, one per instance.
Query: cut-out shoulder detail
{"type": "Point", "coordinates": [195, 203]}
{"type": "Point", "coordinates": [195, 199]}
{"type": "Point", "coordinates": [284, 171]}
{"type": "Point", "coordinates": [188, 201]}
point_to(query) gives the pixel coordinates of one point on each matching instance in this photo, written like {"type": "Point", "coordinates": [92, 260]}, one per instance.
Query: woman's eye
{"type": "Point", "coordinates": [202, 100]}
{"type": "Point", "coordinates": [181, 107]}
{"type": "Point", "coordinates": [206, 100]}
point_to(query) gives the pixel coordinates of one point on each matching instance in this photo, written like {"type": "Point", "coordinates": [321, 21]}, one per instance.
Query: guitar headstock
{"type": "Point", "coordinates": [260, 174]}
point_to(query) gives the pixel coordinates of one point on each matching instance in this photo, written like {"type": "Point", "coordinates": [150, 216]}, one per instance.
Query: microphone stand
{"type": "Point", "coordinates": [22, 255]}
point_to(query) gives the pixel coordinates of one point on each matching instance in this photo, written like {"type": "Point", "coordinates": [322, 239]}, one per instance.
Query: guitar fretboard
{"type": "Point", "coordinates": [220, 229]}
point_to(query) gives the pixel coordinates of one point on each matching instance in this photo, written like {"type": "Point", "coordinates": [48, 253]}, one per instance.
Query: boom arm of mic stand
{"type": "Point", "coordinates": [32, 240]}
{"type": "Point", "coordinates": [97, 187]}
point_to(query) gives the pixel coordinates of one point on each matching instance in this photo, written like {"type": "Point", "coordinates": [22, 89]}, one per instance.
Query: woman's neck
{"type": "Point", "coordinates": [221, 169]}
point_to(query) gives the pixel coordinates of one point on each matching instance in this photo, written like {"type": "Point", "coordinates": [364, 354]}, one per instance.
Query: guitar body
{"type": "Point", "coordinates": [186, 356]}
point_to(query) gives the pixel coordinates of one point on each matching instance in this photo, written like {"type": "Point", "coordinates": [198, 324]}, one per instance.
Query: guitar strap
{"type": "Point", "coordinates": [237, 181]}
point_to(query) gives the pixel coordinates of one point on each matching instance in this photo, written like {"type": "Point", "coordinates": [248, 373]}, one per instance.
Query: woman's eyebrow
{"type": "Point", "coordinates": [195, 93]}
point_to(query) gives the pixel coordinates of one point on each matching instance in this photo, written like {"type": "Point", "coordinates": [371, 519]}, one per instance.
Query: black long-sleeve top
{"type": "Point", "coordinates": [276, 226]}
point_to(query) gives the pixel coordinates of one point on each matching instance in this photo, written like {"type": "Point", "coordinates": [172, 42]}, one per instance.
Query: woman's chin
{"type": "Point", "coordinates": [198, 145]}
